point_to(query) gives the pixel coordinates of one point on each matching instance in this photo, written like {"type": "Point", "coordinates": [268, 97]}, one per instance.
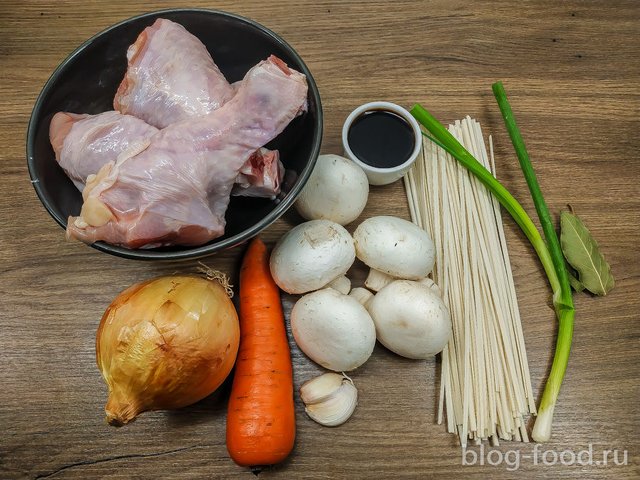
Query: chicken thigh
{"type": "Point", "coordinates": [176, 191]}
{"type": "Point", "coordinates": [158, 88]}
{"type": "Point", "coordinates": [170, 77]}
{"type": "Point", "coordinates": [260, 176]}
{"type": "Point", "coordinates": [83, 144]}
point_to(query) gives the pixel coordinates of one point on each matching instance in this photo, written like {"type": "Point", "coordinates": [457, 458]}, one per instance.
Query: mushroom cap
{"type": "Point", "coordinates": [411, 319]}
{"type": "Point", "coordinates": [337, 190]}
{"type": "Point", "coordinates": [395, 246]}
{"type": "Point", "coordinates": [311, 255]}
{"type": "Point", "coordinates": [333, 330]}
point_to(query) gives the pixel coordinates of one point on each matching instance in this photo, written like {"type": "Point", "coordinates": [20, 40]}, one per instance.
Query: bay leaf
{"type": "Point", "coordinates": [583, 254]}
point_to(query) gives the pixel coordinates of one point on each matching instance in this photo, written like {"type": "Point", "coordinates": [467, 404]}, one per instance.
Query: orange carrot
{"type": "Point", "coordinates": [261, 419]}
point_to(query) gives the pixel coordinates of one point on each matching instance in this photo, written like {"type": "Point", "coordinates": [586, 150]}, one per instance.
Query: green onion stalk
{"type": "Point", "coordinates": [549, 252]}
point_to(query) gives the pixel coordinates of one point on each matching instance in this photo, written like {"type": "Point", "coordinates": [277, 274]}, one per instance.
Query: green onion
{"type": "Point", "coordinates": [564, 306]}
{"type": "Point", "coordinates": [562, 298]}
{"type": "Point", "coordinates": [447, 141]}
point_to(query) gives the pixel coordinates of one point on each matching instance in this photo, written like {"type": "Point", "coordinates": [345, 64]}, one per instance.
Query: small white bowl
{"type": "Point", "coordinates": [376, 175]}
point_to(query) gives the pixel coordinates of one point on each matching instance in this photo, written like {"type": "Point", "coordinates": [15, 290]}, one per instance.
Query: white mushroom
{"type": "Point", "coordinates": [337, 190]}
{"type": "Point", "coordinates": [333, 330]}
{"type": "Point", "coordinates": [411, 319]}
{"type": "Point", "coordinates": [311, 255]}
{"type": "Point", "coordinates": [428, 282]}
{"type": "Point", "coordinates": [395, 246]}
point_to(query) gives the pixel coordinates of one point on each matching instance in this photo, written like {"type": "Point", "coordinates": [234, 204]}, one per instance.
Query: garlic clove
{"type": "Point", "coordinates": [337, 407]}
{"type": "Point", "coordinates": [320, 388]}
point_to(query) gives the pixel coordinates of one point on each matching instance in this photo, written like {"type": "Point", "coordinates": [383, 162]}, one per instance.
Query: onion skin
{"type": "Point", "coordinates": [164, 344]}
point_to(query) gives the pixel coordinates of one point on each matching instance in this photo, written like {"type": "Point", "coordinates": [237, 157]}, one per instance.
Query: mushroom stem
{"type": "Point", "coordinates": [362, 295]}
{"type": "Point", "coordinates": [377, 280]}
{"type": "Point", "coordinates": [342, 284]}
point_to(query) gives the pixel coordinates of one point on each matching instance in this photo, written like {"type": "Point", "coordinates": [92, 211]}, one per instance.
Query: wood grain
{"type": "Point", "coordinates": [572, 71]}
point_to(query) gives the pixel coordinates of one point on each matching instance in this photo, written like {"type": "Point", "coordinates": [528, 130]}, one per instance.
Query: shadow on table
{"type": "Point", "coordinates": [211, 408]}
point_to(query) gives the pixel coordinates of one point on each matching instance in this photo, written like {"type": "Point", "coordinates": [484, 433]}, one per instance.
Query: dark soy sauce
{"type": "Point", "coordinates": [381, 138]}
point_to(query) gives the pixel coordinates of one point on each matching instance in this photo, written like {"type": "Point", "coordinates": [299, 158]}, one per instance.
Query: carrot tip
{"type": "Point", "coordinates": [256, 470]}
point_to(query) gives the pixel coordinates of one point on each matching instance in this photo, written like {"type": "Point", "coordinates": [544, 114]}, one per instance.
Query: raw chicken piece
{"type": "Point", "coordinates": [158, 88]}
{"type": "Point", "coordinates": [260, 176]}
{"type": "Point", "coordinates": [176, 192]}
{"type": "Point", "coordinates": [84, 143]}
{"type": "Point", "coordinates": [170, 77]}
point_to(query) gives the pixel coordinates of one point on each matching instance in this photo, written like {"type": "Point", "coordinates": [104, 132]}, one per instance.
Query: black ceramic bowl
{"type": "Point", "coordinates": [87, 80]}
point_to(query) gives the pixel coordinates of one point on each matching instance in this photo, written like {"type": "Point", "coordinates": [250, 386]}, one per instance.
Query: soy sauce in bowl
{"type": "Point", "coordinates": [381, 138]}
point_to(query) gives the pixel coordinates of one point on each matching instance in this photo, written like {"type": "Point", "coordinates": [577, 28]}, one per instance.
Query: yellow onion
{"type": "Point", "coordinates": [164, 344]}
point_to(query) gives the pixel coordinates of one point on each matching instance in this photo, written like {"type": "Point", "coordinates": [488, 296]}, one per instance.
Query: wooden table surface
{"type": "Point", "coordinates": [572, 70]}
